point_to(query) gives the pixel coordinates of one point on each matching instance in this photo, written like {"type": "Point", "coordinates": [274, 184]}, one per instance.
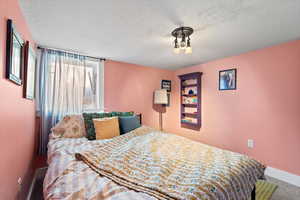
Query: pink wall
{"type": "Point", "coordinates": [130, 87]}
{"type": "Point", "coordinates": [16, 115]}
{"type": "Point", "coordinates": [265, 107]}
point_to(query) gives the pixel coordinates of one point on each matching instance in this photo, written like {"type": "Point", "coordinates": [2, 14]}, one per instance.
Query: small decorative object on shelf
{"type": "Point", "coordinates": [190, 105]}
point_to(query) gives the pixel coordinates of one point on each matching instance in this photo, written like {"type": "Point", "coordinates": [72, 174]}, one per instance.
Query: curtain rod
{"type": "Point", "coordinates": [67, 51]}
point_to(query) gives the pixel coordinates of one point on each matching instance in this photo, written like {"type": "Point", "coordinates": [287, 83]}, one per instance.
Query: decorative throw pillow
{"type": "Point", "coordinates": [106, 128]}
{"type": "Point", "coordinates": [118, 114]}
{"type": "Point", "coordinates": [128, 123]}
{"type": "Point", "coordinates": [89, 125]}
{"type": "Point", "coordinates": [71, 126]}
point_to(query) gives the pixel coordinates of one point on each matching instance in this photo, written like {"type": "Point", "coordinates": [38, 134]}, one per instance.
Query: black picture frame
{"type": "Point", "coordinates": [14, 54]}
{"type": "Point", "coordinates": [166, 84]}
{"type": "Point", "coordinates": [29, 72]}
{"type": "Point", "coordinates": [227, 79]}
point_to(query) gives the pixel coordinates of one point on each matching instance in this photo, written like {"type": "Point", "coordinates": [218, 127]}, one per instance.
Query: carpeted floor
{"type": "Point", "coordinates": [284, 191]}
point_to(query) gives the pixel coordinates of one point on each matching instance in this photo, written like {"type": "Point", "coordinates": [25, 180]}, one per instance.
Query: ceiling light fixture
{"type": "Point", "coordinates": [185, 43]}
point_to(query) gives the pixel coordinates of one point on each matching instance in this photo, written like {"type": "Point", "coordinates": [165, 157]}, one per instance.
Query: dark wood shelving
{"type": "Point", "coordinates": [188, 117]}
{"type": "Point", "coordinates": [189, 123]}
{"type": "Point", "coordinates": [189, 95]}
{"type": "Point", "coordinates": [190, 105]}
{"type": "Point", "coordinates": [193, 115]}
{"type": "Point", "coordinates": [187, 113]}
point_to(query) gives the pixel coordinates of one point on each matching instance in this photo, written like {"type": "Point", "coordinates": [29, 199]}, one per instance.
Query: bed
{"type": "Point", "coordinates": [146, 164]}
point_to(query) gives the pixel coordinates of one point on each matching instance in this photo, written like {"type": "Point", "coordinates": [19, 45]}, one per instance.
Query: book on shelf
{"type": "Point", "coordinates": [190, 110]}
{"type": "Point", "coordinates": [189, 120]}
{"type": "Point", "coordinates": [190, 100]}
{"type": "Point", "coordinates": [189, 82]}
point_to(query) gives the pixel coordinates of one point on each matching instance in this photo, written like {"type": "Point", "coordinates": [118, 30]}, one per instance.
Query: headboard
{"type": "Point", "coordinates": [139, 115]}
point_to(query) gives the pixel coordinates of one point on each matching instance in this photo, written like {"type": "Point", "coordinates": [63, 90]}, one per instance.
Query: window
{"type": "Point", "coordinates": [93, 96]}
{"type": "Point", "coordinates": [74, 82]}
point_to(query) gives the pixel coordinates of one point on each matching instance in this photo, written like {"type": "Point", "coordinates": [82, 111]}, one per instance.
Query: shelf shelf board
{"type": "Point", "coordinates": [189, 123]}
{"type": "Point", "coordinates": [190, 105]}
{"type": "Point", "coordinates": [187, 113]}
{"type": "Point", "coordinates": [190, 95]}
{"type": "Point", "coordinates": [193, 115]}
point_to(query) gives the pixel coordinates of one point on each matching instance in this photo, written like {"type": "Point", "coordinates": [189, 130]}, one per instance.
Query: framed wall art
{"type": "Point", "coordinates": [227, 79]}
{"type": "Point", "coordinates": [166, 84]}
{"type": "Point", "coordinates": [29, 72]}
{"type": "Point", "coordinates": [14, 54]}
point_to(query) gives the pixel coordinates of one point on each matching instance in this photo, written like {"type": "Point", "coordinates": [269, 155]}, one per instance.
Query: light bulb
{"type": "Point", "coordinates": [188, 50]}
{"type": "Point", "coordinates": [182, 44]}
{"type": "Point", "coordinates": [176, 50]}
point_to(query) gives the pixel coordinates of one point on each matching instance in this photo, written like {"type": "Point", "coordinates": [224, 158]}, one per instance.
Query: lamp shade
{"type": "Point", "coordinates": [160, 96]}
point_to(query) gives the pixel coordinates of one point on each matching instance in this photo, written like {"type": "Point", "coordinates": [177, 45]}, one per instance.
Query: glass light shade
{"type": "Point", "coordinates": [176, 50]}
{"type": "Point", "coordinates": [188, 50]}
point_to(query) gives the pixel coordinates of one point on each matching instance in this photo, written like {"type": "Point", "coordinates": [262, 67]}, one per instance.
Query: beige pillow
{"type": "Point", "coordinates": [106, 128]}
{"type": "Point", "coordinates": [71, 126]}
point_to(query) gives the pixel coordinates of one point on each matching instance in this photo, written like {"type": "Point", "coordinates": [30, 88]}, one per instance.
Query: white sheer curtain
{"type": "Point", "coordinates": [67, 84]}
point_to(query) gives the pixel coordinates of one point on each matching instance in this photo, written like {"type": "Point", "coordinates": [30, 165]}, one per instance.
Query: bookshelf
{"type": "Point", "coordinates": [190, 100]}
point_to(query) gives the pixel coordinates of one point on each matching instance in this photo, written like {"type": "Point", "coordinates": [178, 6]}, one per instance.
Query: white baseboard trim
{"type": "Point", "coordinates": [283, 176]}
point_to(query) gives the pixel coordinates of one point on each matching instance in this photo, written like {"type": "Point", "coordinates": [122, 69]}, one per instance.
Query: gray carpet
{"type": "Point", "coordinates": [284, 191]}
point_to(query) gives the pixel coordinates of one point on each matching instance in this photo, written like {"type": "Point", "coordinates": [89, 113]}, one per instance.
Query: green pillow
{"type": "Point", "coordinates": [89, 124]}
{"type": "Point", "coordinates": [123, 114]}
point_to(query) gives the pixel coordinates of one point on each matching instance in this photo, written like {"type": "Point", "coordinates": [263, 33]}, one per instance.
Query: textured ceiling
{"type": "Point", "coordinates": [138, 31]}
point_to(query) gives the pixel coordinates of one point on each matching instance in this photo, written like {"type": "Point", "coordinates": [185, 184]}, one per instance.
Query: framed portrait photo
{"type": "Point", "coordinates": [227, 79]}
{"type": "Point", "coordinates": [14, 54]}
{"type": "Point", "coordinates": [29, 72]}
{"type": "Point", "coordinates": [166, 84]}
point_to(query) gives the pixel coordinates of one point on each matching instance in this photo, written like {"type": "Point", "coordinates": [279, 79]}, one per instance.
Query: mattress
{"type": "Point", "coordinates": [69, 178]}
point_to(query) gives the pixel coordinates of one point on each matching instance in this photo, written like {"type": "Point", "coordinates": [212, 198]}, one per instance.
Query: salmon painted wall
{"type": "Point", "coordinates": [265, 107]}
{"type": "Point", "coordinates": [130, 87]}
{"type": "Point", "coordinates": [16, 116]}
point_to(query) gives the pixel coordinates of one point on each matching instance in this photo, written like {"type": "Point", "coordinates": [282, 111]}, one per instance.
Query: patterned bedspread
{"type": "Point", "coordinates": [146, 164]}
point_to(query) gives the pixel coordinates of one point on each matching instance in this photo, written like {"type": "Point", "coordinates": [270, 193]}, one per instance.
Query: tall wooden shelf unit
{"type": "Point", "coordinates": [190, 100]}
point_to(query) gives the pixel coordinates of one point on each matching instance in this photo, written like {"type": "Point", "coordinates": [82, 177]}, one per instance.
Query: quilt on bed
{"type": "Point", "coordinates": [167, 166]}
{"type": "Point", "coordinates": [69, 179]}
